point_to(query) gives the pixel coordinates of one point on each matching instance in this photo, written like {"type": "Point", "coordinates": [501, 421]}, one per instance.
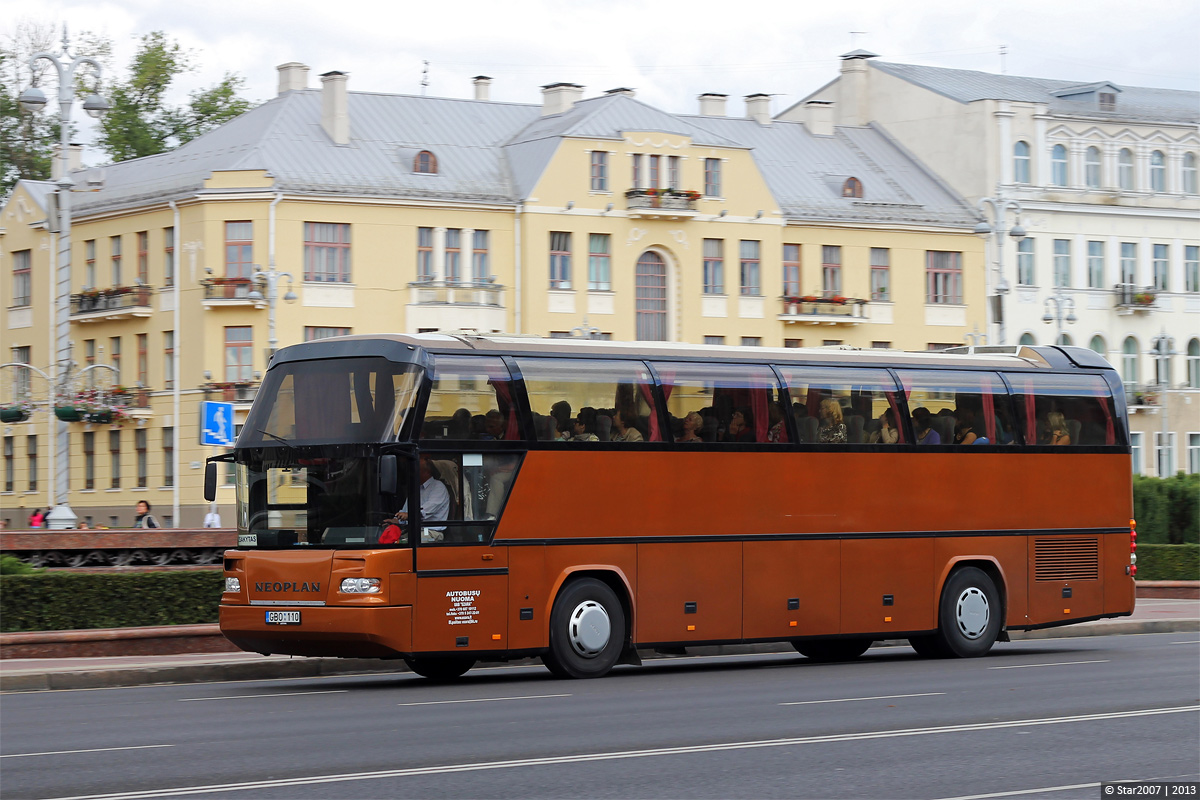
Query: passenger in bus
{"type": "Point", "coordinates": [775, 421]}
{"type": "Point", "coordinates": [923, 426]}
{"type": "Point", "coordinates": [741, 426]}
{"type": "Point", "coordinates": [560, 412]}
{"type": "Point", "coordinates": [833, 428]}
{"type": "Point", "coordinates": [494, 425]}
{"type": "Point", "coordinates": [964, 432]}
{"type": "Point", "coordinates": [1056, 429]}
{"type": "Point", "coordinates": [580, 432]}
{"type": "Point", "coordinates": [692, 424]}
{"type": "Point", "coordinates": [624, 429]}
{"type": "Point", "coordinates": [888, 433]}
{"type": "Point", "coordinates": [479, 427]}
{"type": "Point", "coordinates": [460, 424]}
{"type": "Point", "coordinates": [435, 505]}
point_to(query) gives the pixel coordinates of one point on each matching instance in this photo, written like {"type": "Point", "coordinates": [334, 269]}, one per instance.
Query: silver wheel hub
{"type": "Point", "coordinates": [972, 613]}
{"type": "Point", "coordinates": [589, 629]}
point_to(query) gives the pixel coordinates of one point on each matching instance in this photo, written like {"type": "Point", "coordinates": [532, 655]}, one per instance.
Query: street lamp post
{"type": "Point", "coordinates": [271, 279]}
{"type": "Point", "coordinates": [996, 230]}
{"type": "Point", "coordinates": [1064, 311]}
{"type": "Point", "coordinates": [33, 99]}
{"type": "Point", "coordinates": [1163, 348]}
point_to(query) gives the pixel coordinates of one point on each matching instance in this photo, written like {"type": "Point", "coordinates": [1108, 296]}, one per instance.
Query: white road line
{"type": "Point", "coordinates": [626, 754]}
{"type": "Point", "coordinates": [1020, 792]}
{"type": "Point", "coordinates": [856, 699]}
{"type": "Point", "coordinates": [483, 700]}
{"type": "Point", "coordinates": [1055, 664]}
{"type": "Point", "coordinates": [95, 750]}
{"type": "Point", "coordinates": [1192, 641]}
{"type": "Point", "coordinates": [251, 696]}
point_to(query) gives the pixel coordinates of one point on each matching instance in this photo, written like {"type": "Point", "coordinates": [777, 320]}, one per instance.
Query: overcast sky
{"type": "Point", "coordinates": [669, 52]}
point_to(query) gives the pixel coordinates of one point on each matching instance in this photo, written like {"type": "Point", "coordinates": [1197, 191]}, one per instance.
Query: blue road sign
{"type": "Point", "coordinates": [216, 424]}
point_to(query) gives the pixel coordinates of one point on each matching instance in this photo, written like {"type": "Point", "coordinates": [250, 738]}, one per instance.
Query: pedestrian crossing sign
{"type": "Point", "coordinates": [216, 424]}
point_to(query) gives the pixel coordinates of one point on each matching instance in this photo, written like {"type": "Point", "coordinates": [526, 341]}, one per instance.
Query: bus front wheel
{"type": "Point", "coordinates": [444, 668]}
{"type": "Point", "coordinates": [587, 630]}
{"type": "Point", "coordinates": [832, 649]}
{"type": "Point", "coordinates": [969, 617]}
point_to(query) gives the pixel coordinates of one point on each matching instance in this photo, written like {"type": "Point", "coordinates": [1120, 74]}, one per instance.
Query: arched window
{"type": "Point", "coordinates": [1125, 169]}
{"type": "Point", "coordinates": [1098, 347]}
{"type": "Point", "coordinates": [1158, 172]}
{"type": "Point", "coordinates": [1129, 363]}
{"type": "Point", "coordinates": [1189, 173]}
{"type": "Point", "coordinates": [1193, 363]}
{"type": "Point", "coordinates": [1091, 167]}
{"type": "Point", "coordinates": [1064, 338]}
{"type": "Point", "coordinates": [425, 163]}
{"type": "Point", "coordinates": [852, 188]}
{"type": "Point", "coordinates": [1027, 340]}
{"type": "Point", "coordinates": [1021, 162]}
{"type": "Point", "coordinates": [651, 297]}
{"type": "Point", "coordinates": [1058, 165]}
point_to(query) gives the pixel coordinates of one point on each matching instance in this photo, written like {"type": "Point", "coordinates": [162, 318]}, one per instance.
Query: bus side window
{"type": "Point", "coordinates": [843, 406]}
{"type": "Point", "coordinates": [471, 400]}
{"type": "Point", "coordinates": [1064, 410]}
{"type": "Point", "coordinates": [724, 403]}
{"type": "Point", "coordinates": [617, 395]}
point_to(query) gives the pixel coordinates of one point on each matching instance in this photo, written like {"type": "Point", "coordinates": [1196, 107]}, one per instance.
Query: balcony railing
{"type": "Point", "coordinates": [661, 200]}
{"type": "Point", "coordinates": [119, 299]}
{"type": "Point", "coordinates": [823, 309]}
{"type": "Point", "coordinates": [1148, 395]}
{"type": "Point", "coordinates": [232, 391]}
{"type": "Point", "coordinates": [457, 293]}
{"type": "Point", "coordinates": [1135, 298]}
{"type": "Point", "coordinates": [227, 288]}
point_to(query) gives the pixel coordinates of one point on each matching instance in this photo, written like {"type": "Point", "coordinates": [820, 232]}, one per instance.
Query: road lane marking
{"type": "Point", "coordinates": [1054, 664]}
{"type": "Point", "coordinates": [856, 699]}
{"type": "Point", "coordinates": [626, 754]}
{"type": "Point", "coordinates": [1193, 641]}
{"type": "Point", "coordinates": [94, 750]}
{"type": "Point", "coordinates": [251, 696]}
{"type": "Point", "coordinates": [1020, 792]}
{"type": "Point", "coordinates": [483, 700]}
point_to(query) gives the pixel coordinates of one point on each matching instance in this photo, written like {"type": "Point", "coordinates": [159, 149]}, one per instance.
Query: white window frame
{"type": "Point", "coordinates": [1171, 461]}
{"type": "Point", "coordinates": [1137, 446]}
{"type": "Point", "coordinates": [1193, 452]}
{"type": "Point", "coordinates": [1060, 173]}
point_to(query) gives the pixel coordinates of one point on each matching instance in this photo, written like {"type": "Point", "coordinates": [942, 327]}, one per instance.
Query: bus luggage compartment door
{"type": "Point", "coordinates": [460, 609]}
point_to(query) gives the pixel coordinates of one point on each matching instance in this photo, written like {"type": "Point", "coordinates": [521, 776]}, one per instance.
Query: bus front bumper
{"type": "Point", "coordinates": [378, 632]}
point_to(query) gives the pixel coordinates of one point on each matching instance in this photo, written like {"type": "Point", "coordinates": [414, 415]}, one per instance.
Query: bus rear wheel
{"type": "Point", "coordinates": [831, 650]}
{"type": "Point", "coordinates": [440, 668]}
{"type": "Point", "coordinates": [587, 630]}
{"type": "Point", "coordinates": [969, 617]}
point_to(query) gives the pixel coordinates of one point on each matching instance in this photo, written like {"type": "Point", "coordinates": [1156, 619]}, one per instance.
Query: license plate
{"type": "Point", "coordinates": [283, 617]}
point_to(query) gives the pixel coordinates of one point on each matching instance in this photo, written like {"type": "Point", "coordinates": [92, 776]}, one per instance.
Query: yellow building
{"type": "Point", "coordinates": [601, 216]}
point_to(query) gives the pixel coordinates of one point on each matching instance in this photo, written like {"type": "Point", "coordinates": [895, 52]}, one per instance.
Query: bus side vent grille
{"type": "Point", "coordinates": [1066, 559]}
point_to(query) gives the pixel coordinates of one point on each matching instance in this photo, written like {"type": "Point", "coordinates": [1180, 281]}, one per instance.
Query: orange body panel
{"type": "Point", "coordinates": [350, 632]}
{"type": "Point", "coordinates": [461, 613]}
{"type": "Point", "coordinates": [902, 569]}
{"type": "Point", "coordinates": [775, 572]}
{"type": "Point", "coordinates": [671, 576]}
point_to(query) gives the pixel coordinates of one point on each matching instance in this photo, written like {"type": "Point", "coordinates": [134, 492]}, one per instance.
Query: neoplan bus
{"type": "Point", "coordinates": [445, 499]}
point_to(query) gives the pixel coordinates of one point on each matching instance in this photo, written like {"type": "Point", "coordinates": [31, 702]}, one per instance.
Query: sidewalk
{"type": "Point", "coordinates": [1151, 615]}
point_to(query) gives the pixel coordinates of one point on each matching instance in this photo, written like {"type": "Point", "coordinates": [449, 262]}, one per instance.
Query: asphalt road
{"type": "Point", "coordinates": [1049, 718]}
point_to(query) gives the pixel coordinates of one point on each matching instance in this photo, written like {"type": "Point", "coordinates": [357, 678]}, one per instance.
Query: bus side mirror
{"type": "Point", "coordinates": [210, 481]}
{"type": "Point", "coordinates": [387, 475]}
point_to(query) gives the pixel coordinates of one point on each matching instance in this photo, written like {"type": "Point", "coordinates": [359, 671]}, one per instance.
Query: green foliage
{"type": "Point", "coordinates": [11, 565]}
{"type": "Point", "coordinates": [1168, 562]}
{"type": "Point", "coordinates": [73, 600]}
{"type": "Point", "coordinates": [1167, 510]}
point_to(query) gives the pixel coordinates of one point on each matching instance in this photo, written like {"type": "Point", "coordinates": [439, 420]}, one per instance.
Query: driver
{"type": "Point", "coordinates": [435, 505]}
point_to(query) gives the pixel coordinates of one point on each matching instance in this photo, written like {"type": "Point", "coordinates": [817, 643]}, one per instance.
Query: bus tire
{"type": "Point", "coordinates": [440, 668]}
{"type": "Point", "coordinates": [831, 650]}
{"type": "Point", "coordinates": [970, 614]}
{"type": "Point", "coordinates": [927, 646]}
{"type": "Point", "coordinates": [587, 630]}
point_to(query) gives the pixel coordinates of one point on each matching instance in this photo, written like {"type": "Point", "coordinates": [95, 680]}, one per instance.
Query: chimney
{"type": "Point", "coordinates": [853, 99]}
{"type": "Point", "coordinates": [712, 105]}
{"type": "Point", "coordinates": [74, 160]}
{"type": "Point", "coordinates": [560, 97]}
{"type": "Point", "coordinates": [483, 87]}
{"type": "Point", "coordinates": [622, 90]}
{"type": "Point", "coordinates": [758, 108]}
{"type": "Point", "coordinates": [293, 76]}
{"type": "Point", "coordinates": [818, 117]}
{"type": "Point", "coordinates": [335, 115]}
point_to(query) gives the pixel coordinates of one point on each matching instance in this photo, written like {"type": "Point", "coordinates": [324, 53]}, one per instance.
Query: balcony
{"type": "Point", "coordinates": [121, 302]}
{"type": "Point", "coordinates": [456, 293]}
{"type": "Point", "coordinates": [661, 203]}
{"type": "Point", "coordinates": [229, 293]}
{"type": "Point", "coordinates": [1133, 299]}
{"type": "Point", "coordinates": [456, 305]}
{"type": "Point", "coordinates": [1140, 397]}
{"type": "Point", "coordinates": [832, 310]}
{"type": "Point", "coordinates": [231, 391]}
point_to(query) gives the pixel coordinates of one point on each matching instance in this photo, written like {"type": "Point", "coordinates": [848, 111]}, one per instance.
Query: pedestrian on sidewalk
{"type": "Point", "coordinates": [36, 518]}
{"type": "Point", "coordinates": [213, 518]}
{"type": "Point", "coordinates": [144, 518]}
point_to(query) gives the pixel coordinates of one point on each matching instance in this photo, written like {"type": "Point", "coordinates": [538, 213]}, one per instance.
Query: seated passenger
{"type": "Point", "coordinates": [833, 429]}
{"type": "Point", "coordinates": [923, 426]}
{"type": "Point", "coordinates": [435, 505]}
{"type": "Point", "coordinates": [964, 432]}
{"type": "Point", "coordinates": [580, 432]}
{"type": "Point", "coordinates": [1056, 429]}
{"type": "Point", "coordinates": [692, 423]}
{"type": "Point", "coordinates": [888, 433]}
{"type": "Point", "coordinates": [623, 428]}
{"type": "Point", "coordinates": [741, 426]}
{"type": "Point", "coordinates": [775, 421]}
{"type": "Point", "coordinates": [560, 412]}
{"type": "Point", "coordinates": [494, 425]}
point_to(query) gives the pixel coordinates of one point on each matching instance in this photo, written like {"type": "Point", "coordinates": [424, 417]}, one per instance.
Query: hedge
{"type": "Point", "coordinates": [1167, 510]}
{"type": "Point", "coordinates": [71, 600]}
{"type": "Point", "coordinates": [1168, 562]}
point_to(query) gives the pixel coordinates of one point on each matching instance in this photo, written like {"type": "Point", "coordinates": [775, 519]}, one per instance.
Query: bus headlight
{"type": "Point", "coordinates": [233, 585]}
{"type": "Point", "coordinates": [360, 585]}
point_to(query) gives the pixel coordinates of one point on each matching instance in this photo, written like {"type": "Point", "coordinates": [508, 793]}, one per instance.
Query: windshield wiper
{"type": "Point", "coordinates": [279, 439]}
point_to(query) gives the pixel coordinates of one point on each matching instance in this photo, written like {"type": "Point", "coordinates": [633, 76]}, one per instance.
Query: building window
{"type": "Point", "coordinates": [424, 254]}
{"type": "Point", "coordinates": [327, 252]}
{"type": "Point", "coordinates": [831, 270]}
{"type": "Point", "coordinates": [143, 359]}
{"type": "Point", "coordinates": [655, 164]}
{"type": "Point", "coordinates": [852, 188]}
{"type": "Point", "coordinates": [22, 380]}
{"type": "Point", "coordinates": [599, 262]}
{"type": "Point", "coordinates": [169, 359]}
{"type": "Point", "coordinates": [560, 260]}
{"type": "Point", "coordinates": [1125, 169]}
{"type": "Point", "coordinates": [143, 257]}
{"type": "Point", "coordinates": [481, 266]}
{"type": "Point", "coordinates": [89, 460]}
{"type": "Point", "coordinates": [637, 171]}
{"type": "Point", "coordinates": [673, 172]}
{"type": "Point", "coordinates": [1137, 446]}
{"type": "Point", "coordinates": [1158, 172]}
{"type": "Point", "coordinates": [1098, 347]}
{"type": "Point", "coordinates": [751, 341]}
{"type": "Point", "coordinates": [1161, 264]}
{"type": "Point", "coordinates": [1162, 364]}
{"type": "Point", "coordinates": [312, 333]}
{"type": "Point", "coordinates": [1193, 453]}
{"type": "Point", "coordinates": [1164, 454]}
{"type": "Point", "coordinates": [1130, 368]}
{"type": "Point", "coordinates": [1064, 339]}
{"type": "Point", "coordinates": [1108, 101]}
{"type": "Point", "coordinates": [114, 459]}
{"type": "Point", "coordinates": [168, 256]}
{"type": "Point", "coordinates": [31, 450]}
{"type": "Point", "coordinates": [1191, 268]}
{"type": "Point", "coordinates": [791, 270]}
{"type": "Point", "coordinates": [599, 171]}
{"type": "Point", "coordinates": [114, 245]}
{"type": "Point", "coordinates": [425, 163]}
{"type": "Point", "coordinates": [139, 446]}
{"type": "Point", "coordinates": [114, 357]}
{"type": "Point", "coordinates": [1062, 262]}
{"type": "Point", "coordinates": [1026, 274]}
{"type": "Point", "coordinates": [168, 448]}
{"type": "Point", "coordinates": [1129, 263]}
{"type": "Point", "coordinates": [750, 283]}
{"type": "Point", "coordinates": [1091, 167]}
{"type": "Point", "coordinates": [1193, 363]}
{"type": "Point", "coordinates": [453, 255]}
{"type": "Point", "coordinates": [714, 340]}
{"type": "Point", "coordinates": [712, 177]}
{"type": "Point", "coordinates": [943, 277]}
{"type": "Point", "coordinates": [791, 343]}
{"type": "Point", "coordinates": [1021, 162]}
{"type": "Point", "coordinates": [1095, 262]}
{"type": "Point", "coordinates": [239, 249]}
{"type": "Point", "coordinates": [650, 298]}
{"type": "Point", "coordinates": [22, 277]}
{"type": "Point", "coordinates": [1058, 165]}
{"type": "Point", "coordinates": [881, 288]}
{"type": "Point", "coordinates": [89, 264]}
{"type": "Point", "coordinates": [714, 266]}
{"type": "Point", "coordinates": [239, 354]}
{"type": "Point", "coordinates": [1189, 173]}
{"type": "Point", "coordinates": [10, 466]}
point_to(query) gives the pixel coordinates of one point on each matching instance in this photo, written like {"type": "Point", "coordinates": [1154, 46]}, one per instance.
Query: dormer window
{"type": "Point", "coordinates": [852, 188]}
{"type": "Point", "coordinates": [425, 163]}
{"type": "Point", "coordinates": [1108, 101]}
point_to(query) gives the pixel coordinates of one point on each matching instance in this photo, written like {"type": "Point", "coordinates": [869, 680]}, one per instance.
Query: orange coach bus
{"type": "Point", "coordinates": [578, 500]}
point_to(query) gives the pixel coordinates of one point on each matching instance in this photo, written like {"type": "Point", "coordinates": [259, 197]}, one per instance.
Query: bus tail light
{"type": "Point", "coordinates": [360, 586]}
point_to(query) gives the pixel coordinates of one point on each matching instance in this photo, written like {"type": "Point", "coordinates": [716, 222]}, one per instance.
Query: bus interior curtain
{"type": "Point", "coordinates": [1110, 431]}
{"type": "Point", "coordinates": [1030, 412]}
{"type": "Point", "coordinates": [362, 397]}
{"type": "Point", "coordinates": [506, 407]}
{"type": "Point", "coordinates": [814, 401]}
{"type": "Point", "coordinates": [895, 406]}
{"type": "Point", "coordinates": [322, 411]}
{"type": "Point", "coordinates": [648, 396]}
{"type": "Point", "coordinates": [989, 410]}
{"type": "Point", "coordinates": [759, 398]}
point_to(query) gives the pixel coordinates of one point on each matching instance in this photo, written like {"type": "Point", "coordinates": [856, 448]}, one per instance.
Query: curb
{"type": "Point", "coordinates": [275, 668]}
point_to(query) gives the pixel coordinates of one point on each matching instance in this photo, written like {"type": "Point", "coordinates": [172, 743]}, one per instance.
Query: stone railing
{"type": "Point", "coordinates": [457, 293]}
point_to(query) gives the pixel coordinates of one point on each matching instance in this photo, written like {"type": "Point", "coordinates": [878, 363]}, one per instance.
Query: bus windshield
{"type": "Point", "coordinates": [333, 401]}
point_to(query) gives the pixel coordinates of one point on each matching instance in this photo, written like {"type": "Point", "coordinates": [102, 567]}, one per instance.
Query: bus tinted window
{"type": "Point", "coordinates": [958, 407]}
{"type": "Point", "coordinates": [722, 402]}
{"type": "Point", "coordinates": [844, 406]}
{"type": "Point", "coordinates": [1065, 410]}
{"type": "Point", "coordinates": [614, 399]}
{"type": "Point", "coordinates": [471, 400]}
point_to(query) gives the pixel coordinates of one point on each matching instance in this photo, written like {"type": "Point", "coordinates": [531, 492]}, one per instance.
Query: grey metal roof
{"type": "Point", "coordinates": [967, 86]}
{"type": "Point", "coordinates": [609, 116]}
